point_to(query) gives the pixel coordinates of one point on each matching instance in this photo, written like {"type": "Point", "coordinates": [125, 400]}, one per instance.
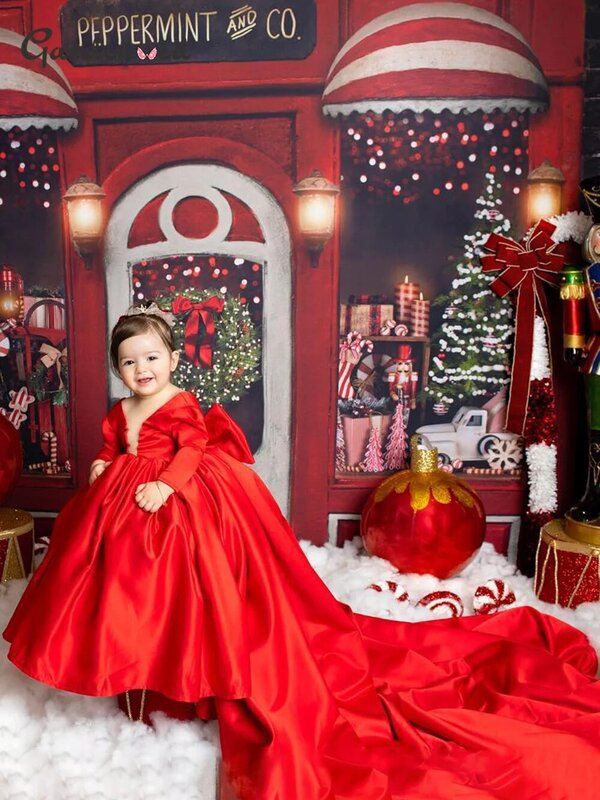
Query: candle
{"type": "Point", "coordinates": [419, 317]}
{"type": "Point", "coordinates": [404, 296]}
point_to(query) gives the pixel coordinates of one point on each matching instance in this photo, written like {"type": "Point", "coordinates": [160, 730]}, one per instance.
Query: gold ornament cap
{"type": "Point", "coordinates": [423, 457]}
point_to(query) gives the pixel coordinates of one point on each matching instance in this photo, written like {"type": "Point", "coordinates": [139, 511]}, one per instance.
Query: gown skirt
{"type": "Point", "coordinates": [211, 601]}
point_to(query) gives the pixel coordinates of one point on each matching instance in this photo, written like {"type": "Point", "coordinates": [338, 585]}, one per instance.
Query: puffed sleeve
{"type": "Point", "coordinates": [191, 437]}
{"type": "Point", "coordinates": [111, 447]}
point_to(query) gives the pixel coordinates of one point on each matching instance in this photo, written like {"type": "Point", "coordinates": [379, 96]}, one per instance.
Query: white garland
{"type": "Point", "coordinates": [541, 469]}
{"type": "Point", "coordinates": [541, 458]}
{"type": "Point", "coordinates": [572, 225]}
{"type": "Point", "coordinates": [540, 358]}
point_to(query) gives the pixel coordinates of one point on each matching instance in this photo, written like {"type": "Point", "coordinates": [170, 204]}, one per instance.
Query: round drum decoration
{"type": "Point", "coordinates": [16, 544]}
{"type": "Point", "coordinates": [424, 520]}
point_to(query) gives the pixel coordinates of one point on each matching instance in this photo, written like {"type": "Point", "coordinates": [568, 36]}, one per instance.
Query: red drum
{"type": "Point", "coordinates": [567, 572]}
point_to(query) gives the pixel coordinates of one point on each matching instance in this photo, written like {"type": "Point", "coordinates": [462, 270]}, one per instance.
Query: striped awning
{"type": "Point", "coordinates": [32, 95]}
{"type": "Point", "coordinates": [435, 56]}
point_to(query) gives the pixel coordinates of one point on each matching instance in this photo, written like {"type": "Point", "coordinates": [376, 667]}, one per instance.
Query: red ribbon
{"type": "Point", "coordinates": [524, 268]}
{"type": "Point", "coordinates": [199, 327]}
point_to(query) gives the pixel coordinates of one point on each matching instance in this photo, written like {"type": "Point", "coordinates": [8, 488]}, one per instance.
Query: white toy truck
{"type": "Point", "coordinates": [467, 438]}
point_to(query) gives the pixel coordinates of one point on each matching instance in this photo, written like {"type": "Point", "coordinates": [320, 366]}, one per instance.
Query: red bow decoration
{"type": "Point", "coordinates": [524, 268]}
{"type": "Point", "coordinates": [199, 327]}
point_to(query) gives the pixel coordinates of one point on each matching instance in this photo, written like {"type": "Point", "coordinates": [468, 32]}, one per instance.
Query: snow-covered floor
{"type": "Point", "coordinates": [61, 746]}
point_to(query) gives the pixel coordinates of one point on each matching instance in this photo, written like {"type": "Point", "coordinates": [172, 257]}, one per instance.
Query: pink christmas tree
{"type": "Point", "coordinates": [373, 459]}
{"type": "Point", "coordinates": [395, 452]}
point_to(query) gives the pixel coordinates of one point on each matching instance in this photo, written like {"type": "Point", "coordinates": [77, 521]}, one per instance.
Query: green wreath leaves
{"type": "Point", "coordinates": [236, 350]}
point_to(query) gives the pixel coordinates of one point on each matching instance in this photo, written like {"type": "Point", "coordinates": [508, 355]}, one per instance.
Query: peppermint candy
{"type": "Point", "coordinates": [399, 592]}
{"type": "Point", "coordinates": [401, 330]}
{"type": "Point", "coordinates": [387, 327]}
{"type": "Point", "coordinates": [443, 601]}
{"type": "Point", "coordinates": [492, 596]}
{"type": "Point", "coordinates": [455, 465]}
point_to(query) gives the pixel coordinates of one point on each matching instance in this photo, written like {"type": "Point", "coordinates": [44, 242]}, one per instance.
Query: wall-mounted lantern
{"type": "Point", "coordinates": [316, 212]}
{"type": "Point", "coordinates": [545, 192]}
{"type": "Point", "coordinates": [12, 291]}
{"type": "Point", "coordinates": [86, 217]}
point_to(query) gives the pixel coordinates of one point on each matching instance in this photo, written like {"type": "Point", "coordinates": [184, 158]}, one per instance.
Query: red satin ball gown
{"type": "Point", "coordinates": [211, 601]}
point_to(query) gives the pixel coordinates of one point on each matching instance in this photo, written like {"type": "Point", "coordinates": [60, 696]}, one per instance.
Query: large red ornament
{"type": "Point", "coordinates": [11, 462]}
{"type": "Point", "coordinates": [424, 520]}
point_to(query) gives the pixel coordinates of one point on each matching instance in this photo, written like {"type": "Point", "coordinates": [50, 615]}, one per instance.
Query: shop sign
{"type": "Point", "coordinates": [96, 32]}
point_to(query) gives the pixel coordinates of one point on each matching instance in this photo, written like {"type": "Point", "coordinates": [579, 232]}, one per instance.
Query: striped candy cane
{"type": "Point", "coordinates": [50, 437]}
{"type": "Point", "coordinates": [350, 352]}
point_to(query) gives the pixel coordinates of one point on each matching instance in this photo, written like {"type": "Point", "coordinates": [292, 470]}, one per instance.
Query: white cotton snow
{"type": "Point", "coordinates": [60, 746]}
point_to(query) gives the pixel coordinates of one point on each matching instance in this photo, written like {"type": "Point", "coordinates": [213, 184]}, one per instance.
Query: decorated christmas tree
{"type": "Point", "coordinates": [472, 348]}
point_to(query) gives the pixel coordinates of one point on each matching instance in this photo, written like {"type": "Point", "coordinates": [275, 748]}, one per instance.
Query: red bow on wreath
{"type": "Point", "coordinates": [524, 268]}
{"type": "Point", "coordinates": [199, 327]}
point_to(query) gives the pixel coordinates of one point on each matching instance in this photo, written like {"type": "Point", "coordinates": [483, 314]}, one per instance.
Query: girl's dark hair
{"type": "Point", "coordinates": [135, 325]}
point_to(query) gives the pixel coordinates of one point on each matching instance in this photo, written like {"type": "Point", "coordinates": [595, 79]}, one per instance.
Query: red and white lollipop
{"type": "Point", "coordinates": [492, 596]}
{"type": "Point", "coordinates": [443, 601]}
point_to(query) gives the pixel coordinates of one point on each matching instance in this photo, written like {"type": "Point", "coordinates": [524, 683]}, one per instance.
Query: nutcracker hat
{"type": "Point", "coordinates": [590, 188]}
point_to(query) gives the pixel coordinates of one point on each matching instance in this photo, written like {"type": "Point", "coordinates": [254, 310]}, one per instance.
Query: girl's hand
{"type": "Point", "coordinates": [97, 469]}
{"type": "Point", "coordinates": [151, 496]}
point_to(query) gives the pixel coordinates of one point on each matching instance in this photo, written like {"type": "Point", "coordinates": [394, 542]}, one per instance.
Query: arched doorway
{"type": "Point", "coordinates": [169, 186]}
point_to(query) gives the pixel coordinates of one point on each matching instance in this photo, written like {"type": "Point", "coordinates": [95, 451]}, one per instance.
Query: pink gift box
{"type": "Point", "coordinates": [357, 431]}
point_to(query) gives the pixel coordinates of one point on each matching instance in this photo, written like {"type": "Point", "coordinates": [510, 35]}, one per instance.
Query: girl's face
{"type": "Point", "coordinates": [146, 364]}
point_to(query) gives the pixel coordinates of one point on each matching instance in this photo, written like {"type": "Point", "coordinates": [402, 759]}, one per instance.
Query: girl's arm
{"type": "Point", "coordinates": [191, 437]}
{"type": "Point", "coordinates": [110, 441]}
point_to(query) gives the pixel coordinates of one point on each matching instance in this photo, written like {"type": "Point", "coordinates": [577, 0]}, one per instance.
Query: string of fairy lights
{"type": "Point", "coordinates": [29, 168]}
{"type": "Point", "coordinates": [407, 156]}
{"type": "Point", "coordinates": [231, 277]}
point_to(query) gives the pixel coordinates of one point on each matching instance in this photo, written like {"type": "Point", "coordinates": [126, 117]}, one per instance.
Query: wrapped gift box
{"type": "Point", "coordinates": [366, 318]}
{"type": "Point", "coordinates": [567, 572]}
{"type": "Point", "coordinates": [356, 434]}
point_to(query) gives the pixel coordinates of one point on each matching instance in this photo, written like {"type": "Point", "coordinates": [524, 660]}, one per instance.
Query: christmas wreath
{"type": "Point", "coordinates": [220, 350]}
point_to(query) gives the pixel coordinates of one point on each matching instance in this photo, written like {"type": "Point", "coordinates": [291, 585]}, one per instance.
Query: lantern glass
{"type": "Point", "coordinates": [85, 218]}
{"type": "Point", "coordinates": [11, 294]}
{"type": "Point", "coordinates": [316, 215]}
{"type": "Point", "coordinates": [544, 200]}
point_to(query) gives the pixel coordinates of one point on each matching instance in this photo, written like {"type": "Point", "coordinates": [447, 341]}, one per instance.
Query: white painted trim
{"type": "Point", "coordinates": [455, 105]}
{"type": "Point", "coordinates": [513, 536]}
{"type": "Point", "coordinates": [209, 181]}
{"type": "Point", "coordinates": [332, 522]}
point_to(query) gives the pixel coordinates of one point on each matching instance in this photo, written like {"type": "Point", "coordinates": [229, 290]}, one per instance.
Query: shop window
{"type": "Point", "coordinates": [34, 369]}
{"type": "Point", "coordinates": [230, 375]}
{"type": "Point", "coordinates": [423, 340]}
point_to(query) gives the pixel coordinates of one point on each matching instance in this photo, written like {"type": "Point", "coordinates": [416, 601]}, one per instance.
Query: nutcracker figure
{"type": "Point", "coordinates": [580, 294]}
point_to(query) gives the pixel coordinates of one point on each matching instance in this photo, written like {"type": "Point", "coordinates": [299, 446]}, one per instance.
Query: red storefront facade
{"type": "Point", "coordinates": [263, 121]}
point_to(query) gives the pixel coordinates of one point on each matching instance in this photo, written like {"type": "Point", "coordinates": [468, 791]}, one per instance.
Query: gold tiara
{"type": "Point", "coordinates": [152, 310]}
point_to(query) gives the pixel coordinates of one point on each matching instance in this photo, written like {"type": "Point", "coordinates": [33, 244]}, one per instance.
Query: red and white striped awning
{"type": "Point", "coordinates": [435, 56]}
{"type": "Point", "coordinates": [32, 95]}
